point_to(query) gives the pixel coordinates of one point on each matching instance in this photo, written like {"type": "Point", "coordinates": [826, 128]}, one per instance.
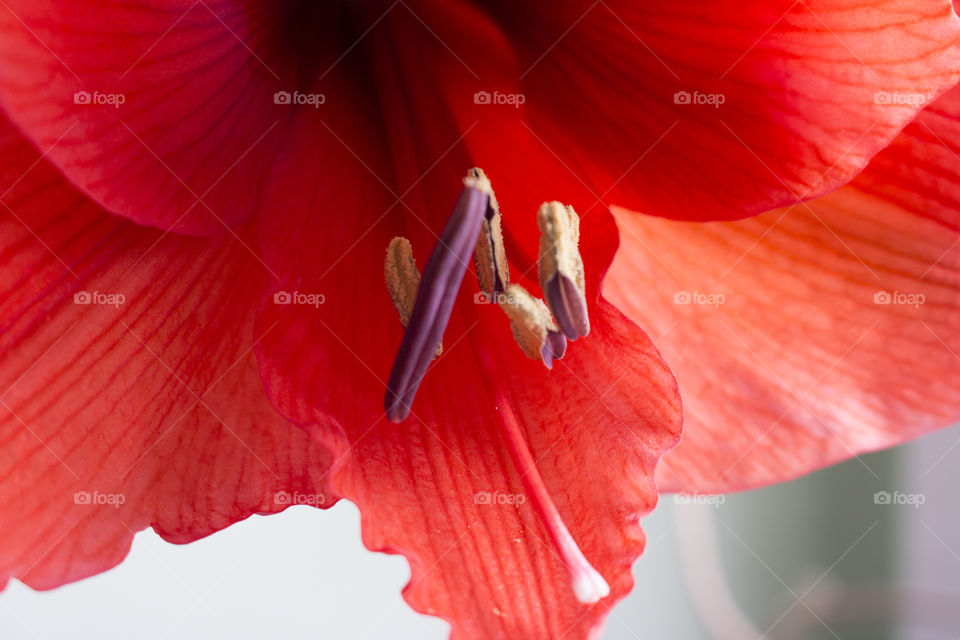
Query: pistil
{"type": "Point", "coordinates": [587, 583]}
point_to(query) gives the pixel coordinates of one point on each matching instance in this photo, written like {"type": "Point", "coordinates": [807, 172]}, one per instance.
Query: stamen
{"type": "Point", "coordinates": [442, 277]}
{"type": "Point", "coordinates": [533, 329]}
{"type": "Point", "coordinates": [425, 306]}
{"type": "Point", "coordinates": [403, 280]}
{"type": "Point", "coordinates": [493, 271]}
{"type": "Point", "coordinates": [555, 346]}
{"type": "Point", "coordinates": [560, 268]}
{"type": "Point", "coordinates": [587, 583]}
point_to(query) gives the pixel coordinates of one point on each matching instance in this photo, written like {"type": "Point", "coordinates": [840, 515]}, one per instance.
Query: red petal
{"type": "Point", "coordinates": [157, 400]}
{"type": "Point", "coordinates": [598, 422]}
{"type": "Point", "coordinates": [918, 171]}
{"type": "Point", "coordinates": [597, 435]}
{"type": "Point", "coordinates": [823, 347]}
{"type": "Point", "coordinates": [197, 121]}
{"type": "Point", "coordinates": [811, 91]}
{"type": "Point", "coordinates": [598, 83]}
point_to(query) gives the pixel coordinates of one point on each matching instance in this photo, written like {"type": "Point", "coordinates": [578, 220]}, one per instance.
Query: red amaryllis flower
{"type": "Point", "coordinates": [205, 163]}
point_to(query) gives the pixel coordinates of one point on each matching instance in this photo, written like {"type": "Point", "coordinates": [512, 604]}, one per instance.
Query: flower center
{"type": "Point", "coordinates": [425, 306]}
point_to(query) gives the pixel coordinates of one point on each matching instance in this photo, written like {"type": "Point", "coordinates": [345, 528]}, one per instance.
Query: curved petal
{"type": "Point", "coordinates": [599, 420]}
{"type": "Point", "coordinates": [810, 335]}
{"type": "Point", "coordinates": [697, 111]}
{"type": "Point", "coordinates": [441, 488]}
{"type": "Point", "coordinates": [918, 171]}
{"type": "Point", "coordinates": [129, 394]}
{"type": "Point", "coordinates": [602, 87]}
{"type": "Point", "coordinates": [163, 114]}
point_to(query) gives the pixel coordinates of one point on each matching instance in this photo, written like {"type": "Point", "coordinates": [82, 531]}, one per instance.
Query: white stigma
{"type": "Point", "coordinates": [589, 586]}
